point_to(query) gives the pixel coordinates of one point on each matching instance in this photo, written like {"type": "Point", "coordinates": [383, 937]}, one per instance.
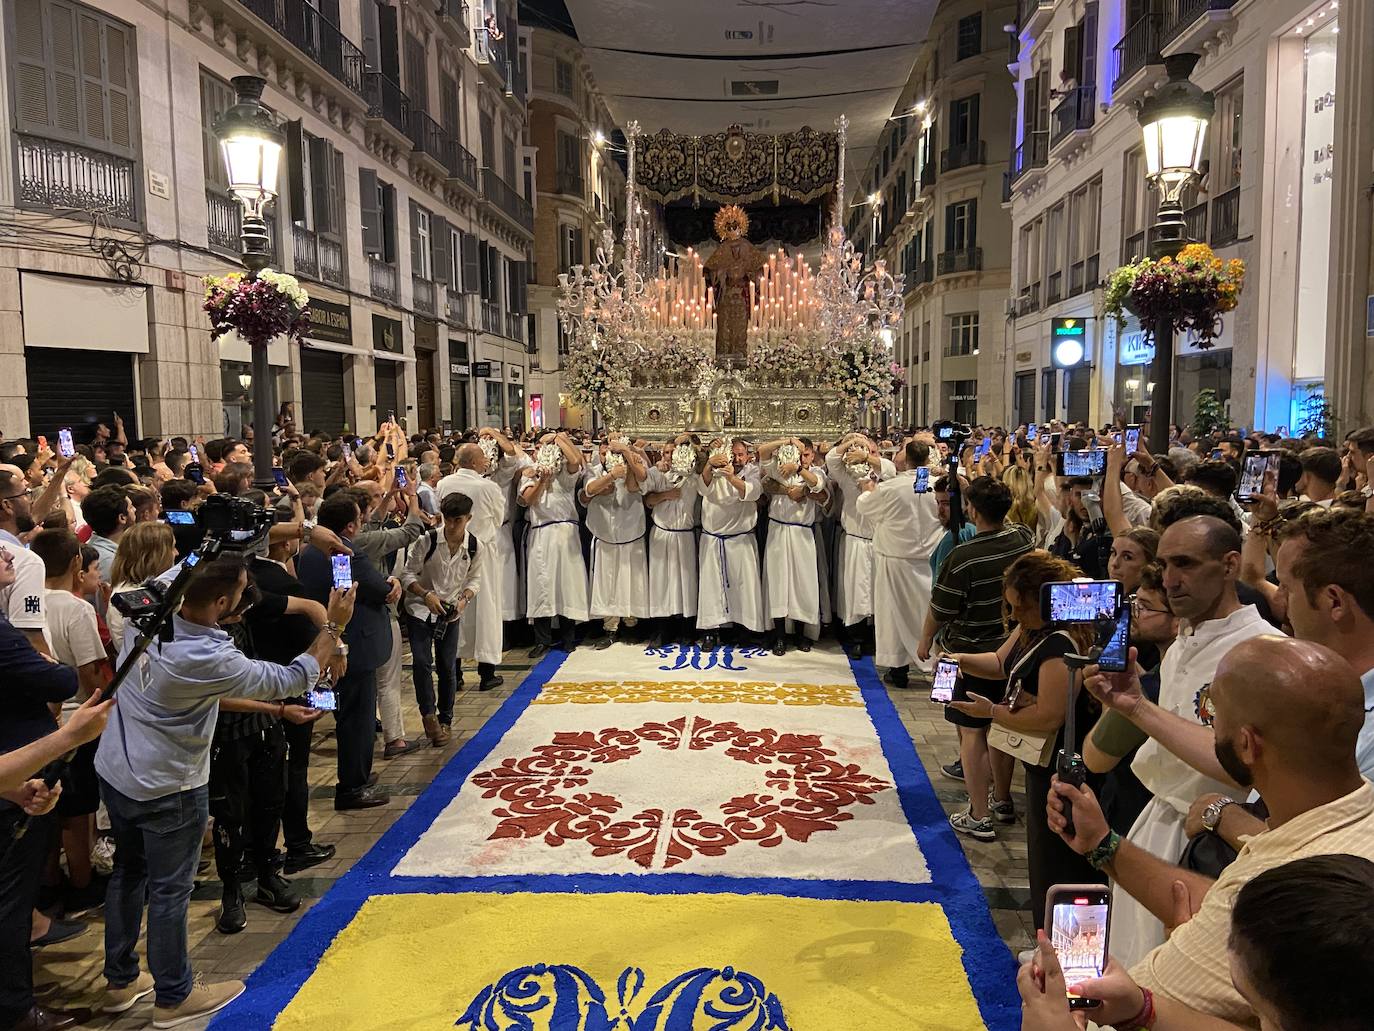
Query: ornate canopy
{"type": "Point", "coordinates": [737, 167]}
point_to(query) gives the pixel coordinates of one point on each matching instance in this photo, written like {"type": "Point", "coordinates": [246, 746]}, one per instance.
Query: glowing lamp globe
{"type": "Point", "coordinates": [251, 142]}
{"type": "Point", "coordinates": [1174, 123]}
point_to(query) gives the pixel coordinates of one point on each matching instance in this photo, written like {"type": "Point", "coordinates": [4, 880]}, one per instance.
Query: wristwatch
{"type": "Point", "coordinates": [1211, 816]}
{"type": "Point", "coordinates": [307, 527]}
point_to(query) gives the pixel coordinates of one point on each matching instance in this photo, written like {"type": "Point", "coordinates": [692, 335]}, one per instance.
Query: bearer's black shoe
{"type": "Point", "coordinates": [233, 917]}
{"type": "Point", "coordinates": [539, 651]}
{"type": "Point", "coordinates": [313, 854]}
{"type": "Point", "coordinates": [780, 645]}
{"type": "Point", "coordinates": [276, 894]}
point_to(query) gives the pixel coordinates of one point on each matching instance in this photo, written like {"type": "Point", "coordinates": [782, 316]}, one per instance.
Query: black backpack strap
{"type": "Point", "coordinates": [472, 547]}
{"type": "Point", "coordinates": [433, 535]}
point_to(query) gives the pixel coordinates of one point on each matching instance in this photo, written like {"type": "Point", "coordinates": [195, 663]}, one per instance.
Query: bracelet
{"type": "Point", "coordinates": [333, 629]}
{"type": "Point", "coordinates": [1145, 1019]}
{"type": "Point", "coordinates": [1105, 851]}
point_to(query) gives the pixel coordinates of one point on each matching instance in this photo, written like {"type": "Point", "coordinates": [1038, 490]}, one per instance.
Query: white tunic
{"type": "Point", "coordinates": [555, 574]}
{"type": "Point", "coordinates": [854, 561]}
{"type": "Point", "coordinates": [730, 590]}
{"type": "Point", "coordinates": [1188, 667]}
{"type": "Point", "coordinates": [620, 572]}
{"type": "Point", "coordinates": [480, 632]}
{"type": "Point", "coordinates": [906, 531]}
{"type": "Point", "coordinates": [673, 545]}
{"type": "Point", "coordinates": [507, 476]}
{"type": "Point", "coordinates": [791, 569]}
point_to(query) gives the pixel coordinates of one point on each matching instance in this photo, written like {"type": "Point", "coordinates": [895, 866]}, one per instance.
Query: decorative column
{"type": "Point", "coordinates": [632, 133]}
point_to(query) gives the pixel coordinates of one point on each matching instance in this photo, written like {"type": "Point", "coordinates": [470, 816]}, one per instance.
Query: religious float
{"type": "Point", "coordinates": [742, 340]}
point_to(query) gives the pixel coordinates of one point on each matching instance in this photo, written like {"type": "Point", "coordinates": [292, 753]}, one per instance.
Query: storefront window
{"type": "Point", "coordinates": [493, 416]}
{"type": "Point", "coordinates": [1195, 372]}
{"type": "Point", "coordinates": [458, 387]}
{"type": "Point", "coordinates": [516, 407]}
{"type": "Point", "coordinates": [236, 396]}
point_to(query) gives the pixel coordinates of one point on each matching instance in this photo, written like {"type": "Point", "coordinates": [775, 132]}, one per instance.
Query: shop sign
{"type": "Point", "coordinates": [459, 369]}
{"type": "Point", "coordinates": [330, 322]}
{"type": "Point", "coordinates": [513, 373]}
{"type": "Point", "coordinates": [386, 335]}
{"type": "Point", "coordinates": [1134, 349]}
{"type": "Point", "coordinates": [481, 370]}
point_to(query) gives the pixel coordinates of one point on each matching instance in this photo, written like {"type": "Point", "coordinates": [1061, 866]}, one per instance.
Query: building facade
{"type": "Point", "coordinates": [930, 204]}
{"type": "Point", "coordinates": [1288, 160]}
{"type": "Point", "coordinates": [405, 207]}
{"type": "Point", "coordinates": [581, 190]}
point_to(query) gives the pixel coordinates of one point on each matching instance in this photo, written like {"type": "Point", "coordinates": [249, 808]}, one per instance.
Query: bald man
{"type": "Point", "coordinates": [480, 636]}
{"type": "Point", "coordinates": [1296, 746]}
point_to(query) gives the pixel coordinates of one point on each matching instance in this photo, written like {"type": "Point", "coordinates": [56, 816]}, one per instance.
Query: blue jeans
{"type": "Point", "coordinates": [422, 653]}
{"type": "Point", "coordinates": [157, 849]}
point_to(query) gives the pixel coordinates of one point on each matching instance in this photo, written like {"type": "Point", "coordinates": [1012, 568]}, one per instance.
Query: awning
{"type": "Point", "coordinates": [233, 348]}
{"type": "Point", "coordinates": [325, 345]}
{"type": "Point", "coordinates": [83, 314]}
{"type": "Point", "coordinates": [392, 356]}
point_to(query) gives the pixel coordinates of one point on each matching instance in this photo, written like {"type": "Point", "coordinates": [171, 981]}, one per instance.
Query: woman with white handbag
{"type": "Point", "coordinates": [1029, 723]}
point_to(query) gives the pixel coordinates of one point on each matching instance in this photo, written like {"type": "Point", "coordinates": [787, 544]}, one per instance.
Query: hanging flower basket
{"type": "Point", "coordinates": [1190, 292]}
{"type": "Point", "coordinates": [258, 309]}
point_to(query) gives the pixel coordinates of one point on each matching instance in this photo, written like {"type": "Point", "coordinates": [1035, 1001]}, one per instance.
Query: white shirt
{"type": "Point", "coordinates": [906, 525]}
{"type": "Point", "coordinates": [22, 601]}
{"type": "Point", "coordinates": [680, 513]}
{"type": "Point", "coordinates": [723, 511]}
{"type": "Point", "coordinates": [852, 521]}
{"type": "Point", "coordinates": [617, 516]}
{"type": "Point", "coordinates": [784, 509]}
{"type": "Point", "coordinates": [1364, 747]}
{"type": "Point", "coordinates": [507, 477]}
{"type": "Point", "coordinates": [488, 501]}
{"type": "Point", "coordinates": [1135, 507]}
{"type": "Point", "coordinates": [446, 572]}
{"type": "Point", "coordinates": [557, 500]}
{"type": "Point", "coordinates": [1189, 666]}
{"type": "Point", "coordinates": [72, 631]}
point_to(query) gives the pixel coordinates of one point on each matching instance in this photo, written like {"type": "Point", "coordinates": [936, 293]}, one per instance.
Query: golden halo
{"type": "Point", "coordinates": [731, 219]}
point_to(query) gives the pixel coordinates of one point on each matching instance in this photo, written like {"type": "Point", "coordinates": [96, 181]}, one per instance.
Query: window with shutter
{"type": "Point", "coordinates": [323, 190]}
{"type": "Point", "coordinates": [449, 105]}
{"type": "Point", "coordinates": [417, 74]}
{"type": "Point", "coordinates": [441, 267]}
{"type": "Point", "coordinates": [216, 97]}
{"type": "Point", "coordinates": [371, 211]}
{"type": "Point", "coordinates": [472, 264]}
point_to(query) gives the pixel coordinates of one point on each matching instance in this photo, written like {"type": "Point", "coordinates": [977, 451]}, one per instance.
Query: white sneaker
{"type": "Point", "coordinates": [1001, 811]}
{"type": "Point", "coordinates": [203, 1000]}
{"type": "Point", "coordinates": [964, 823]}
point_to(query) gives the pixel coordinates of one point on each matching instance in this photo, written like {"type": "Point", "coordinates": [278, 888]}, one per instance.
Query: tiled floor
{"type": "Point", "coordinates": [68, 975]}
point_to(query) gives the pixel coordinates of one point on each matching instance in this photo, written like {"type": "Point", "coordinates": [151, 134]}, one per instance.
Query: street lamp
{"type": "Point", "coordinates": [251, 142]}
{"type": "Point", "coordinates": [1174, 124]}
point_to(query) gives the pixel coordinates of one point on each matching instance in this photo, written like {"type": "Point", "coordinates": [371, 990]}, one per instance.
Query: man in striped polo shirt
{"type": "Point", "coordinates": [966, 614]}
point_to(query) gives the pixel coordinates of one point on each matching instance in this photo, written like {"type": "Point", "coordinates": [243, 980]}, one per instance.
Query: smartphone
{"type": "Point", "coordinates": [347, 452]}
{"type": "Point", "coordinates": [179, 517]}
{"type": "Point", "coordinates": [1116, 438]}
{"type": "Point", "coordinates": [391, 418]}
{"type": "Point", "coordinates": [984, 446]}
{"type": "Point", "coordinates": [65, 448]}
{"type": "Point", "coordinates": [1260, 469]}
{"type": "Point", "coordinates": [946, 672]}
{"type": "Point", "coordinates": [194, 472]}
{"type": "Point", "coordinates": [1088, 462]}
{"type": "Point", "coordinates": [1132, 439]}
{"type": "Point", "coordinates": [343, 571]}
{"type": "Point", "coordinates": [195, 455]}
{"type": "Point", "coordinates": [322, 698]}
{"type": "Point", "coordinates": [1078, 916]}
{"type": "Point", "coordinates": [922, 480]}
{"type": "Point", "coordinates": [1080, 601]}
{"type": "Point", "coordinates": [945, 432]}
{"type": "Point", "coordinates": [1117, 650]}
{"type": "Point", "coordinates": [279, 476]}
{"type": "Point", "coordinates": [1055, 437]}
{"type": "Point", "coordinates": [1031, 431]}
{"type": "Point", "coordinates": [401, 480]}
{"type": "Point", "coordinates": [390, 450]}
{"type": "Point", "coordinates": [1217, 455]}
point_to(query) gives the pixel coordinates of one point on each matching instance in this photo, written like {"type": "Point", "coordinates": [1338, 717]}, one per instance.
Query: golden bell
{"type": "Point", "coordinates": [703, 417]}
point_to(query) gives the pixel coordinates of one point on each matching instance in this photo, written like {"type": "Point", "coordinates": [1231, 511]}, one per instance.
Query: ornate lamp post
{"type": "Point", "coordinates": [1174, 124]}
{"type": "Point", "coordinates": [251, 142]}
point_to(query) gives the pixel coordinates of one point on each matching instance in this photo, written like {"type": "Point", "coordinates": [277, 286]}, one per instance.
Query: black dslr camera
{"type": "Point", "coordinates": [236, 522]}
{"type": "Point", "coordinates": [952, 433]}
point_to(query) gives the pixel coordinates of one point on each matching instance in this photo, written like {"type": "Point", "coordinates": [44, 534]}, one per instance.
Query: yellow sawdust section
{"type": "Point", "coordinates": [707, 692]}
{"type": "Point", "coordinates": [415, 962]}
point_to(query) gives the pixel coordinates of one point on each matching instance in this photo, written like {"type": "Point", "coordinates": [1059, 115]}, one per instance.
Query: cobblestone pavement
{"type": "Point", "coordinates": [68, 976]}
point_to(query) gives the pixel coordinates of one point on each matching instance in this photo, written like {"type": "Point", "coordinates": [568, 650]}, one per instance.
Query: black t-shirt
{"type": "Point", "coordinates": [1023, 674]}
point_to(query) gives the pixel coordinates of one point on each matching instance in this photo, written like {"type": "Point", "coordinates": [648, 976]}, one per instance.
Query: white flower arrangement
{"type": "Point", "coordinates": [859, 470]}
{"type": "Point", "coordinates": [683, 460]}
{"type": "Point", "coordinates": [789, 454]}
{"type": "Point", "coordinates": [721, 447]}
{"type": "Point", "coordinates": [491, 451]}
{"type": "Point", "coordinates": [549, 456]}
{"type": "Point", "coordinates": [288, 285]}
{"type": "Point", "coordinates": [614, 460]}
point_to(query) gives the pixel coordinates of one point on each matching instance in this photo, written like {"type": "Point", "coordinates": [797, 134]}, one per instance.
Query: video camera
{"type": "Point", "coordinates": [952, 433]}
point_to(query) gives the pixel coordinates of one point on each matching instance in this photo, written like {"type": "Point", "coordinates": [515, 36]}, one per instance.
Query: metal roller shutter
{"type": "Point", "coordinates": [1078, 392]}
{"type": "Point", "coordinates": [322, 391]}
{"type": "Point", "coordinates": [1025, 397]}
{"type": "Point", "coordinates": [79, 389]}
{"type": "Point", "coordinates": [386, 374]}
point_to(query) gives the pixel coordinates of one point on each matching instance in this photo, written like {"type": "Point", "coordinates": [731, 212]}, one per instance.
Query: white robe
{"type": "Point", "coordinates": [729, 587]}
{"type": "Point", "coordinates": [620, 569]}
{"type": "Point", "coordinates": [854, 562]}
{"type": "Point", "coordinates": [555, 574]}
{"type": "Point", "coordinates": [673, 546]}
{"type": "Point", "coordinates": [791, 569]}
{"type": "Point", "coordinates": [907, 531]}
{"type": "Point", "coordinates": [480, 633]}
{"type": "Point", "coordinates": [507, 477]}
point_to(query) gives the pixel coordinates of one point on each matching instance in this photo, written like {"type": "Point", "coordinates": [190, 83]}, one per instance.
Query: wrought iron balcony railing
{"type": "Point", "coordinates": [1138, 47]}
{"type": "Point", "coordinates": [1076, 110]}
{"type": "Point", "coordinates": [310, 32]}
{"type": "Point", "coordinates": [63, 176]}
{"type": "Point", "coordinates": [1226, 218]}
{"type": "Point", "coordinates": [422, 295]}
{"type": "Point", "coordinates": [382, 280]}
{"type": "Point", "coordinates": [963, 155]}
{"type": "Point", "coordinates": [509, 202]}
{"type": "Point", "coordinates": [965, 259]}
{"type": "Point", "coordinates": [386, 101]}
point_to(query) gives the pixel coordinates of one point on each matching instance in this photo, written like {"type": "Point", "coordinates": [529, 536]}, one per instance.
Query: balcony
{"type": "Point", "coordinates": [492, 321]}
{"type": "Point", "coordinates": [315, 36]}
{"type": "Point", "coordinates": [1006, 187]}
{"type": "Point", "coordinates": [963, 155]}
{"type": "Point", "coordinates": [1032, 152]}
{"type": "Point", "coordinates": [63, 176]}
{"type": "Point", "coordinates": [1195, 218]}
{"type": "Point", "coordinates": [458, 309]}
{"type": "Point", "coordinates": [422, 294]}
{"type": "Point", "coordinates": [1137, 50]}
{"type": "Point", "coordinates": [1083, 275]}
{"type": "Point", "coordinates": [570, 182]}
{"type": "Point", "coordinates": [386, 102]}
{"type": "Point", "coordinates": [428, 139]}
{"type": "Point", "coordinates": [927, 179]}
{"type": "Point", "coordinates": [919, 274]}
{"type": "Point", "coordinates": [1029, 301]}
{"type": "Point", "coordinates": [504, 197]}
{"type": "Point", "coordinates": [1054, 287]}
{"type": "Point", "coordinates": [1226, 218]}
{"type": "Point", "coordinates": [1035, 15]}
{"type": "Point", "coordinates": [1076, 112]}
{"type": "Point", "coordinates": [966, 259]}
{"type": "Point", "coordinates": [1188, 25]}
{"type": "Point", "coordinates": [331, 261]}
{"type": "Point", "coordinates": [382, 278]}
{"type": "Point", "coordinates": [224, 222]}
{"type": "Point", "coordinates": [1134, 248]}
{"type": "Point", "coordinates": [453, 15]}
{"type": "Point", "coordinates": [515, 327]}
{"type": "Point", "coordinates": [305, 251]}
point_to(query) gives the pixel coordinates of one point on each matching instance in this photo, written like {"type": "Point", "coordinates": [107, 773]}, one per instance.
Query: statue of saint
{"type": "Point", "coordinates": [735, 264]}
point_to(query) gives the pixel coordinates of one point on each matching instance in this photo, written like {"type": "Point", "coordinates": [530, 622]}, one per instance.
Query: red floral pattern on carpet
{"type": "Point", "coordinates": [540, 793]}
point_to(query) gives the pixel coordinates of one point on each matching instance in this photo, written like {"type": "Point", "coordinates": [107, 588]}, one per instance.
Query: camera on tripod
{"type": "Point", "coordinates": [952, 433]}
{"type": "Point", "coordinates": [236, 522]}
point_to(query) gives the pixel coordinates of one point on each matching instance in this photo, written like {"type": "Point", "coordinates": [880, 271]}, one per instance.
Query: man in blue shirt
{"type": "Point", "coordinates": [154, 766]}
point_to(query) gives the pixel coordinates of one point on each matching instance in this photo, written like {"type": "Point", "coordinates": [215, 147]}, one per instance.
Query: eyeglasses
{"type": "Point", "coordinates": [21, 494]}
{"type": "Point", "coordinates": [1138, 609]}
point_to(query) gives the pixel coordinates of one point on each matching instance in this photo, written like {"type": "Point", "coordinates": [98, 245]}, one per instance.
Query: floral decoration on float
{"type": "Point", "coordinates": [257, 308]}
{"type": "Point", "coordinates": [1191, 292]}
